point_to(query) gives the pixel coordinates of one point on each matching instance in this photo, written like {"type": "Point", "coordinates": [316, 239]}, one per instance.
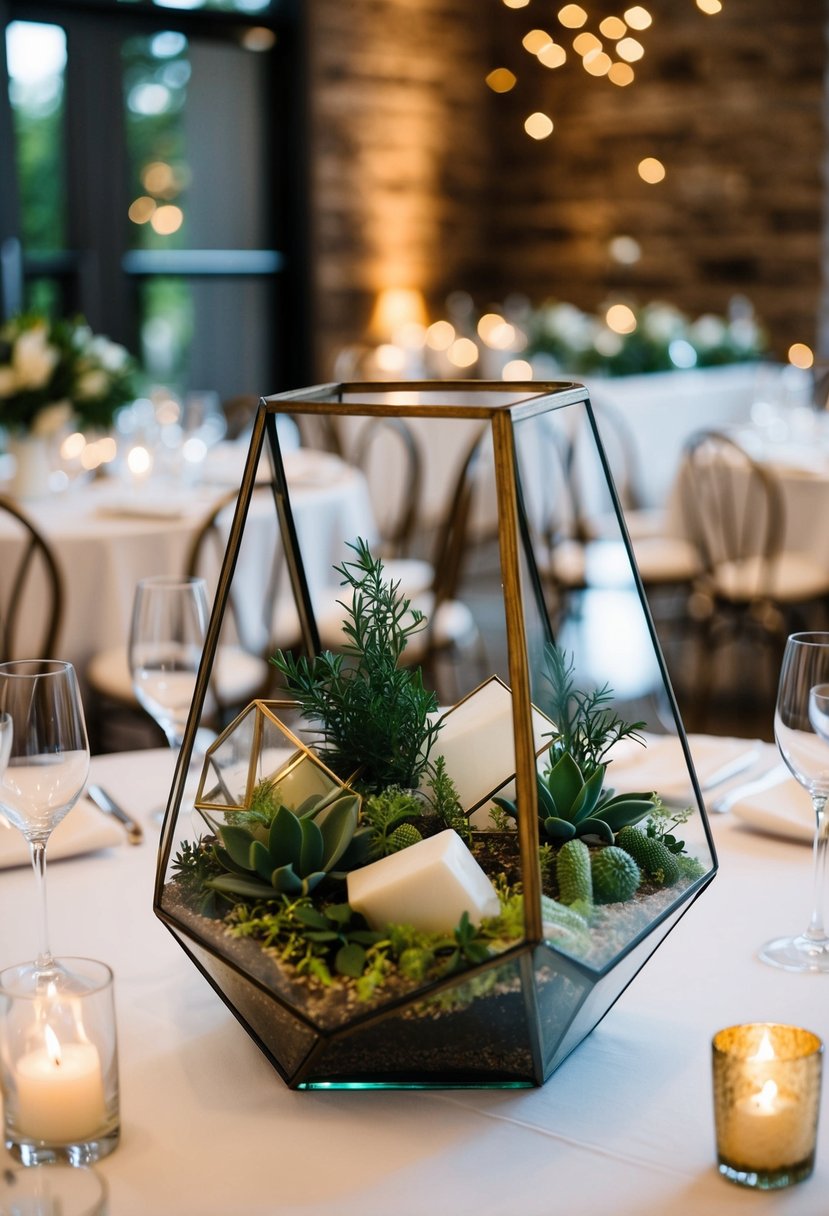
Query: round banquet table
{"type": "Point", "coordinates": [624, 1126]}
{"type": "Point", "coordinates": [106, 537]}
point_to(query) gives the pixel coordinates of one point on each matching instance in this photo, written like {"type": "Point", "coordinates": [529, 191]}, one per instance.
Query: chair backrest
{"type": "Point", "coordinates": [451, 544]}
{"type": "Point", "coordinates": [388, 454]}
{"type": "Point", "coordinates": [732, 505]}
{"type": "Point", "coordinates": [31, 590]}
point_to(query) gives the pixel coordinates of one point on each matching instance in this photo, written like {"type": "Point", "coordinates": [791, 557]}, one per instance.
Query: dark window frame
{"type": "Point", "coordinates": [98, 274]}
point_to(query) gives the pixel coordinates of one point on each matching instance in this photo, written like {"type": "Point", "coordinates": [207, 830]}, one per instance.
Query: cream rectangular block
{"type": "Point", "coordinates": [428, 885]}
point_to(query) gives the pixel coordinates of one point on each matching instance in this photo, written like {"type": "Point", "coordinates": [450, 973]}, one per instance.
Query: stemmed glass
{"type": "Point", "coordinates": [43, 734]}
{"type": "Point", "coordinates": [169, 624]}
{"type": "Point", "coordinates": [801, 729]}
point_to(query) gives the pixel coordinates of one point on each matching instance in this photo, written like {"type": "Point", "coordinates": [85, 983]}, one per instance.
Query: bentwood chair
{"type": "Point", "coordinates": [254, 626]}
{"type": "Point", "coordinates": [31, 591]}
{"type": "Point", "coordinates": [751, 585]}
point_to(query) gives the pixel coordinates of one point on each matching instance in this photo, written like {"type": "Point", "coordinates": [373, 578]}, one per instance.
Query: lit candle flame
{"type": "Point", "coordinates": [766, 1098]}
{"type": "Point", "coordinates": [52, 1044]}
{"type": "Point", "coordinates": [766, 1049]}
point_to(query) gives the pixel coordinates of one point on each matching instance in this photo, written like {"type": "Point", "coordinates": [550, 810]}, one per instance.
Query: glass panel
{"type": "Point", "coordinates": [37, 62]}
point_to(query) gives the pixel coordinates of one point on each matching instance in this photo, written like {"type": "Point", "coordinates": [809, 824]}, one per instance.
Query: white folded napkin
{"type": "Point", "coordinates": [660, 765]}
{"type": "Point", "coordinates": [784, 809]}
{"type": "Point", "coordinates": [139, 508]}
{"type": "Point", "coordinates": [84, 830]}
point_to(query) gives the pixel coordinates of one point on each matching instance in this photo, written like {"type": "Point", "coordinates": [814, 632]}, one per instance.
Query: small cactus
{"type": "Point", "coordinates": [575, 882]}
{"type": "Point", "coordinates": [652, 856]}
{"type": "Point", "coordinates": [403, 836]}
{"type": "Point", "coordinates": [616, 876]}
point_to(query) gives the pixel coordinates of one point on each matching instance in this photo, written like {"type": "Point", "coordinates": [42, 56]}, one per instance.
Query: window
{"type": "Point", "coordinates": [158, 187]}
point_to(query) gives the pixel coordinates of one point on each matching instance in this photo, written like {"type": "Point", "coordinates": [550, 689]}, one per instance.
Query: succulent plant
{"type": "Point", "coordinates": [569, 805]}
{"type": "Point", "coordinates": [652, 856]}
{"type": "Point", "coordinates": [292, 854]}
{"type": "Point", "coordinates": [616, 876]}
{"type": "Point", "coordinates": [575, 882]}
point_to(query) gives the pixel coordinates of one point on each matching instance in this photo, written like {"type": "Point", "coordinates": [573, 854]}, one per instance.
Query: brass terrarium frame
{"type": "Point", "coordinates": [324, 1055]}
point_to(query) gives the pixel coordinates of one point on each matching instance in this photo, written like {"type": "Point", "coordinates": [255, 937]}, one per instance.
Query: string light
{"type": "Point", "coordinates": [651, 170]}
{"type": "Point", "coordinates": [501, 80]}
{"type": "Point", "coordinates": [801, 355]}
{"type": "Point", "coordinates": [538, 125]}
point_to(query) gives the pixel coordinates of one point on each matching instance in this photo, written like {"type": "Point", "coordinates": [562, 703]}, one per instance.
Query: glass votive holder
{"type": "Point", "coordinates": [59, 1062]}
{"type": "Point", "coordinates": [52, 1190]}
{"type": "Point", "coordinates": [767, 1080]}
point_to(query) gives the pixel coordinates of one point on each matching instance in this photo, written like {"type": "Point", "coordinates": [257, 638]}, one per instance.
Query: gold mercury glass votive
{"type": "Point", "coordinates": [766, 1100]}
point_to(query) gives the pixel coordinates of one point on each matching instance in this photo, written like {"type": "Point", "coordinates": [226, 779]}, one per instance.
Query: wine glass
{"type": "Point", "coordinates": [169, 624]}
{"type": "Point", "coordinates": [43, 733]}
{"type": "Point", "coordinates": [801, 729]}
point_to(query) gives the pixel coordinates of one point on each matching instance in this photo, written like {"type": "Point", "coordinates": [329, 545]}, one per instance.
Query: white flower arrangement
{"type": "Point", "coordinates": [52, 372]}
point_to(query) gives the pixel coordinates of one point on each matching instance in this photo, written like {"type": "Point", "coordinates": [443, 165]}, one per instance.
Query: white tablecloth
{"type": "Point", "coordinates": [624, 1126]}
{"type": "Point", "coordinates": [106, 539]}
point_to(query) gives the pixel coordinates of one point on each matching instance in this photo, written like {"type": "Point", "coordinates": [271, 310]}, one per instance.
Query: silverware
{"type": "Point", "coordinates": [771, 777]}
{"type": "Point", "coordinates": [732, 768]}
{"type": "Point", "coordinates": [107, 804]}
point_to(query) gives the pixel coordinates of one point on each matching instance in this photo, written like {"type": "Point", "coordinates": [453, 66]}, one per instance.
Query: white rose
{"type": "Point", "coordinates": [34, 359]}
{"type": "Point", "coordinates": [92, 384]}
{"type": "Point", "coordinates": [662, 322]}
{"type": "Point", "coordinates": [51, 418]}
{"type": "Point", "coordinates": [8, 382]}
{"type": "Point", "coordinates": [110, 355]}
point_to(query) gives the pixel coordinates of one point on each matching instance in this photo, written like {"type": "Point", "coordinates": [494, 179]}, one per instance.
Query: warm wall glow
{"type": "Point", "coordinates": [538, 125]}
{"type": "Point", "coordinates": [651, 170]}
{"type": "Point", "coordinates": [501, 80]}
{"type": "Point", "coordinates": [394, 308]}
{"type": "Point", "coordinates": [572, 16]}
{"type": "Point", "coordinates": [800, 355]}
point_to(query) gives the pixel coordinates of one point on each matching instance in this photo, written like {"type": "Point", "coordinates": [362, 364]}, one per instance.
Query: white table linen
{"type": "Point", "coordinates": [105, 540]}
{"type": "Point", "coordinates": [624, 1126]}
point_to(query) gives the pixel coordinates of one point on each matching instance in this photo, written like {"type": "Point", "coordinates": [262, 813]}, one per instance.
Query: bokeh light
{"type": "Point", "coordinates": [651, 170]}
{"type": "Point", "coordinates": [538, 125]}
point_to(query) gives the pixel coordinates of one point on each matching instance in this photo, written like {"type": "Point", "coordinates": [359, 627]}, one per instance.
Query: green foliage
{"type": "Point", "coordinates": [662, 821]}
{"type": "Point", "coordinates": [616, 876]}
{"type": "Point", "coordinates": [373, 715]}
{"type": "Point", "coordinates": [340, 929]}
{"type": "Point", "coordinates": [652, 856]}
{"type": "Point", "coordinates": [291, 854]}
{"type": "Point", "coordinates": [575, 882]}
{"type": "Point", "coordinates": [586, 726]}
{"type": "Point", "coordinates": [572, 798]}
{"type": "Point", "coordinates": [389, 818]}
{"type": "Point", "coordinates": [445, 801]}
{"type": "Point", "coordinates": [567, 926]}
{"type": "Point", "coordinates": [194, 866]}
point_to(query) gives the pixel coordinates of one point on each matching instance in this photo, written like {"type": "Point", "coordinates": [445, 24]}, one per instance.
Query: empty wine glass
{"type": "Point", "coordinates": [801, 729]}
{"type": "Point", "coordinates": [43, 735]}
{"type": "Point", "coordinates": [169, 623]}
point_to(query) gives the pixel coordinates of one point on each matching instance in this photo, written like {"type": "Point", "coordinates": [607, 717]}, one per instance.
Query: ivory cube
{"type": "Point", "coordinates": [428, 885]}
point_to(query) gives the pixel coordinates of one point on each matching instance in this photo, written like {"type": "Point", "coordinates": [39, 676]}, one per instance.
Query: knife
{"type": "Point", "coordinates": [103, 801]}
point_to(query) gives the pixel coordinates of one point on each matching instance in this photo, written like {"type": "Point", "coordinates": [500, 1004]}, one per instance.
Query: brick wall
{"type": "Point", "coordinates": [423, 177]}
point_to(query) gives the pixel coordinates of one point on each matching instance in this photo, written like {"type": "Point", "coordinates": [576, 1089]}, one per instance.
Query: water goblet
{"type": "Point", "coordinates": [43, 736]}
{"type": "Point", "coordinates": [801, 730]}
{"type": "Point", "coordinates": [169, 623]}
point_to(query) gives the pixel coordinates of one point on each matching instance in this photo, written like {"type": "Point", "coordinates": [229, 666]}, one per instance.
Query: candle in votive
{"type": "Point", "coordinates": [60, 1091]}
{"type": "Point", "coordinates": [766, 1097]}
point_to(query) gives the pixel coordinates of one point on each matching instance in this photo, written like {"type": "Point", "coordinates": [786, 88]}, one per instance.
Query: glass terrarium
{"type": "Point", "coordinates": [466, 813]}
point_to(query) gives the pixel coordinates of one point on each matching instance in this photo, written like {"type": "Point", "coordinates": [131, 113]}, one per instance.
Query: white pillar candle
{"type": "Point", "coordinates": [60, 1091]}
{"type": "Point", "coordinates": [428, 885]}
{"type": "Point", "coordinates": [767, 1130]}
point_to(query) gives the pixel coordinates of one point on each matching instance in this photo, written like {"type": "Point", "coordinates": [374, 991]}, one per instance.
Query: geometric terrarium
{"type": "Point", "coordinates": [445, 844]}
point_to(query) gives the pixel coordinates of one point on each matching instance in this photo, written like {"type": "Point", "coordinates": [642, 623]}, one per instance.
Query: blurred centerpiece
{"type": "Point", "coordinates": [395, 884]}
{"type": "Point", "coordinates": [56, 374]}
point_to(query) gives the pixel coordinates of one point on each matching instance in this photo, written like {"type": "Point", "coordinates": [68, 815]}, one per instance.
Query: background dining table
{"type": "Point", "coordinates": [625, 1125]}
{"type": "Point", "coordinates": [108, 534]}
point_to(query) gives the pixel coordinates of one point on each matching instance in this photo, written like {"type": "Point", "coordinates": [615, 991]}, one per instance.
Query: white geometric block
{"type": "Point", "coordinates": [428, 885]}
